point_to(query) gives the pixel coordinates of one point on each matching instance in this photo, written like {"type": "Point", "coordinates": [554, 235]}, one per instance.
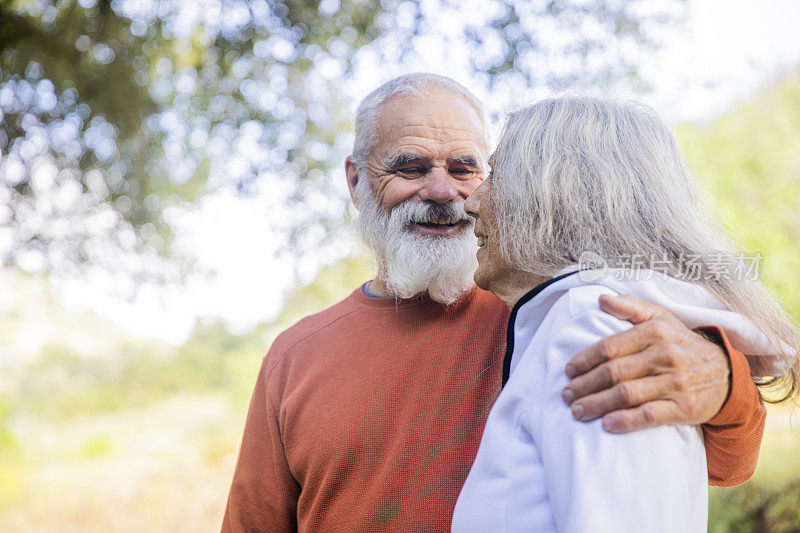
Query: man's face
{"type": "Point", "coordinates": [430, 157]}
{"type": "Point", "coordinates": [431, 149]}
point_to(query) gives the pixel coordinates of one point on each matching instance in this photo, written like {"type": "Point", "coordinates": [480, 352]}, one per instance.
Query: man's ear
{"type": "Point", "coordinates": [351, 171]}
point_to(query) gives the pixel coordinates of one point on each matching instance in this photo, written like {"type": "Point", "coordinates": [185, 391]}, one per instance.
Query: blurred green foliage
{"type": "Point", "coordinates": [71, 416]}
{"type": "Point", "coordinates": [749, 164]}
{"type": "Point", "coordinates": [113, 111]}
{"type": "Point", "coordinates": [62, 384]}
{"type": "Point", "coordinates": [757, 507]}
{"type": "Point", "coordinates": [11, 468]}
{"type": "Point", "coordinates": [97, 447]}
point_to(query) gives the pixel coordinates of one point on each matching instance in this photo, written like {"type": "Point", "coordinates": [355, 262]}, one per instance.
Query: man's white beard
{"type": "Point", "coordinates": [410, 263]}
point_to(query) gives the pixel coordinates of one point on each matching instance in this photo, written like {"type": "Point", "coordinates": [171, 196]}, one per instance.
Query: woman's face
{"type": "Point", "coordinates": [490, 270]}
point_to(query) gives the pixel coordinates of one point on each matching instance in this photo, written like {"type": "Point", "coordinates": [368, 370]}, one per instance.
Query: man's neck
{"type": "Point", "coordinates": [378, 287]}
{"type": "Point", "coordinates": [368, 291]}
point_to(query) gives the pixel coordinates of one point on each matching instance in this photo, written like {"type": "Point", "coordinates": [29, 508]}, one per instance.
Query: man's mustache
{"type": "Point", "coordinates": [429, 212]}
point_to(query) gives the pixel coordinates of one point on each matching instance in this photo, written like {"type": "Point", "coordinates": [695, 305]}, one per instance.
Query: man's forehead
{"type": "Point", "coordinates": [435, 110]}
{"type": "Point", "coordinates": [444, 128]}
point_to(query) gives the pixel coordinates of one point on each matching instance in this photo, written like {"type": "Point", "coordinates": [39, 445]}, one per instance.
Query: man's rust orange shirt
{"type": "Point", "coordinates": [367, 416]}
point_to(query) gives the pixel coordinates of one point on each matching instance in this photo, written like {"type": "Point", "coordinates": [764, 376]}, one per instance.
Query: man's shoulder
{"type": "Point", "coordinates": [314, 325]}
{"type": "Point", "coordinates": [358, 320]}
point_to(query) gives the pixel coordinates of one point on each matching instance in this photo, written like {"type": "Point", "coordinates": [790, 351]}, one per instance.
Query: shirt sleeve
{"type": "Point", "coordinates": [263, 495]}
{"type": "Point", "coordinates": [733, 436]}
{"type": "Point", "coordinates": [651, 480]}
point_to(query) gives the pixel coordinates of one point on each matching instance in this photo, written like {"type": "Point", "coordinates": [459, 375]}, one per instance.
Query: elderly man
{"type": "Point", "coordinates": [367, 416]}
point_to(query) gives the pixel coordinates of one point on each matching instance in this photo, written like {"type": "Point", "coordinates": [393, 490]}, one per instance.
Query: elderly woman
{"type": "Point", "coordinates": [582, 177]}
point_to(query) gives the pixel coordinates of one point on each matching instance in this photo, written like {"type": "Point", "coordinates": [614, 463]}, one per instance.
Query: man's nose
{"type": "Point", "coordinates": [438, 187]}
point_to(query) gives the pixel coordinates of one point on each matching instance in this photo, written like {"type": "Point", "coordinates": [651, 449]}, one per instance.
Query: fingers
{"type": "Point", "coordinates": [648, 415]}
{"type": "Point", "coordinates": [629, 307]}
{"type": "Point", "coordinates": [621, 344]}
{"type": "Point", "coordinates": [622, 396]}
{"type": "Point", "coordinates": [657, 372]}
{"type": "Point", "coordinates": [606, 375]}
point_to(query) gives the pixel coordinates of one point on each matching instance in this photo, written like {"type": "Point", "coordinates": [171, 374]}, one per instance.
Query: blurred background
{"type": "Point", "coordinates": [172, 196]}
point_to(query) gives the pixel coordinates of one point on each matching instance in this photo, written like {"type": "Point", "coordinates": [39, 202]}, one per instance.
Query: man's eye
{"type": "Point", "coordinates": [463, 173]}
{"type": "Point", "coordinates": [412, 170]}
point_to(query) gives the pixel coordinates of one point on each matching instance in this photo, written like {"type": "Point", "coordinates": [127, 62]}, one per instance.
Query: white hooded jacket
{"type": "Point", "coordinates": [538, 469]}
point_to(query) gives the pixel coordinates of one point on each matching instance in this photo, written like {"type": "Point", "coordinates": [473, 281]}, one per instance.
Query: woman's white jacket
{"type": "Point", "coordinates": [538, 469]}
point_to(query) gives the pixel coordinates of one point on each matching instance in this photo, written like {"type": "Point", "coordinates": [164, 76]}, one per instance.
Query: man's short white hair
{"type": "Point", "coordinates": [416, 84]}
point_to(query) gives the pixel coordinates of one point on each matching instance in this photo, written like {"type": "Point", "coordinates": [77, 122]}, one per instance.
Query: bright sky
{"type": "Point", "coordinates": [730, 48]}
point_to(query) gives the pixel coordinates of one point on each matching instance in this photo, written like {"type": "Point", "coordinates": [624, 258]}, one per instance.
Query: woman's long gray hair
{"type": "Point", "coordinates": [581, 174]}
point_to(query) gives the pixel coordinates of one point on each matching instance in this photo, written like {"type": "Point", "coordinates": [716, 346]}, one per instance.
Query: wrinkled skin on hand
{"type": "Point", "coordinates": [658, 372]}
